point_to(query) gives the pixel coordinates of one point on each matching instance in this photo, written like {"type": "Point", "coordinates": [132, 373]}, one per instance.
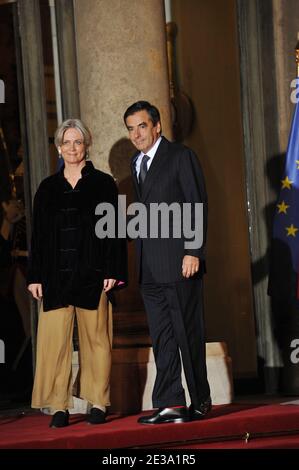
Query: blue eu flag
{"type": "Point", "coordinates": [284, 261]}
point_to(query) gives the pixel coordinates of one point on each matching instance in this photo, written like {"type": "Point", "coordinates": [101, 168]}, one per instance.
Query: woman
{"type": "Point", "coordinates": [72, 270]}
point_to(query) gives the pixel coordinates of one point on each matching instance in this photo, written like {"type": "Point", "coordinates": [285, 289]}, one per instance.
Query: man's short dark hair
{"type": "Point", "coordinates": [144, 106]}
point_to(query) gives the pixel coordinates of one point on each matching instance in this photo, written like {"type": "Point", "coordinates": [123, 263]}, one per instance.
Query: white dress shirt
{"type": "Point", "coordinates": [151, 153]}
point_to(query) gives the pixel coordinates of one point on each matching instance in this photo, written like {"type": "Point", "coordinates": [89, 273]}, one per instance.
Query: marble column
{"type": "Point", "coordinates": [121, 52]}
{"type": "Point", "coordinates": [121, 56]}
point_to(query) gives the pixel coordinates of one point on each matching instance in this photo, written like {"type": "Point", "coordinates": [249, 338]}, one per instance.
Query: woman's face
{"type": "Point", "coordinates": [72, 148]}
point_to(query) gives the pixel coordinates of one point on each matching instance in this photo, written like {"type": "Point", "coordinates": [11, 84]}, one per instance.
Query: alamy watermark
{"type": "Point", "coordinates": [155, 220]}
{"type": "Point", "coordinates": [294, 357]}
{"type": "Point", "coordinates": [2, 92]}
{"type": "Point", "coordinates": [2, 351]}
{"type": "Point", "coordinates": [295, 93]}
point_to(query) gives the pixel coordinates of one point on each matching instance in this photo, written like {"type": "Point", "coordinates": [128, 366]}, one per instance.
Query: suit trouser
{"type": "Point", "coordinates": [53, 376]}
{"type": "Point", "coordinates": [175, 317]}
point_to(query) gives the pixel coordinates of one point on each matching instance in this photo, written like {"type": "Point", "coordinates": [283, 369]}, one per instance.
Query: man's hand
{"type": "Point", "coordinates": [108, 284]}
{"type": "Point", "coordinates": [36, 290]}
{"type": "Point", "coordinates": [190, 265]}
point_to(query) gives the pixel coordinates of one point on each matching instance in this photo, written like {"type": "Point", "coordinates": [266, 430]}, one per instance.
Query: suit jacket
{"type": "Point", "coordinates": [175, 176]}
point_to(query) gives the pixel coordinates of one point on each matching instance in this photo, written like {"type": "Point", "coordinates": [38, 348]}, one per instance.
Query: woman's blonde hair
{"type": "Point", "coordinates": [72, 124]}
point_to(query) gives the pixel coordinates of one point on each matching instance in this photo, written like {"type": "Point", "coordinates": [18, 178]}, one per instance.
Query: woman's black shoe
{"type": "Point", "coordinates": [60, 419]}
{"type": "Point", "coordinates": [96, 416]}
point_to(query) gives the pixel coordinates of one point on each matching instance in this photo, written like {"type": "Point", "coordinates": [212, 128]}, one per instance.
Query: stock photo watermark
{"type": "Point", "coordinates": [2, 351]}
{"type": "Point", "coordinates": [156, 220]}
{"type": "Point", "coordinates": [294, 357]}
{"type": "Point", "coordinates": [295, 93]}
{"type": "Point", "coordinates": [2, 92]}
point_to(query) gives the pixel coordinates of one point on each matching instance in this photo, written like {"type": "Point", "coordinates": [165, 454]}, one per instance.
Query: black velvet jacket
{"type": "Point", "coordinates": [66, 256]}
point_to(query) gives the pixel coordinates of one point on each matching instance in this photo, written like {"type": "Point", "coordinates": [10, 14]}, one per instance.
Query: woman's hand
{"type": "Point", "coordinates": [108, 284]}
{"type": "Point", "coordinates": [36, 290]}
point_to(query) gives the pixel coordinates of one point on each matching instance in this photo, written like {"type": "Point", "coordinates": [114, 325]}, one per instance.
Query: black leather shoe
{"type": "Point", "coordinates": [201, 411]}
{"type": "Point", "coordinates": [166, 415]}
{"type": "Point", "coordinates": [60, 419]}
{"type": "Point", "coordinates": [96, 416]}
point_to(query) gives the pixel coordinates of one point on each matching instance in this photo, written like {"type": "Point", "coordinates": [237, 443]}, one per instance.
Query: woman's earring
{"type": "Point", "coordinates": [59, 155]}
{"type": "Point", "coordinates": [86, 156]}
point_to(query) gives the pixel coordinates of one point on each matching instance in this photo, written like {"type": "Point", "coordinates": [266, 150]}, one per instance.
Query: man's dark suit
{"type": "Point", "coordinates": [172, 302]}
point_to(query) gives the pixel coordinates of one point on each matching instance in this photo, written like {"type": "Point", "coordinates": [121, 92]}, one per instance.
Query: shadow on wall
{"type": "Point", "coordinates": [119, 162]}
{"type": "Point", "coordinates": [131, 344]}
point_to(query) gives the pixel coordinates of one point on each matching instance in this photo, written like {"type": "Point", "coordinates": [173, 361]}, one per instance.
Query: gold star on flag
{"type": "Point", "coordinates": [291, 231]}
{"type": "Point", "coordinates": [297, 161]}
{"type": "Point", "coordinates": [282, 207]}
{"type": "Point", "coordinates": [286, 183]}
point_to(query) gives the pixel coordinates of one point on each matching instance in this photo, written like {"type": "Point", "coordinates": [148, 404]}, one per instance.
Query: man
{"type": "Point", "coordinates": [170, 274]}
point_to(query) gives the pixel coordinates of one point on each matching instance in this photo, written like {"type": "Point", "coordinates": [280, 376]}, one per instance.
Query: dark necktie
{"type": "Point", "coordinates": [143, 169]}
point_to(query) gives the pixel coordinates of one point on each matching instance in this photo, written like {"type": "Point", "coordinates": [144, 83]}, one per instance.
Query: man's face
{"type": "Point", "coordinates": [142, 133]}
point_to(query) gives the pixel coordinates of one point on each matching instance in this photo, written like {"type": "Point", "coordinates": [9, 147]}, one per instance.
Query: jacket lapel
{"type": "Point", "coordinates": [133, 170]}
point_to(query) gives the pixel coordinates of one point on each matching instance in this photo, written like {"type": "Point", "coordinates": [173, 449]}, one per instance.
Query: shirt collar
{"type": "Point", "coordinates": [151, 153]}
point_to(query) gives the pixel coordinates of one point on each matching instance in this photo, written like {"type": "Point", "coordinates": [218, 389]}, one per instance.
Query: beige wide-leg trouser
{"type": "Point", "coordinates": [53, 376]}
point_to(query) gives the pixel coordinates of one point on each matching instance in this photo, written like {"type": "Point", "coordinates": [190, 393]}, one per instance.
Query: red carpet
{"type": "Point", "coordinates": [265, 426]}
